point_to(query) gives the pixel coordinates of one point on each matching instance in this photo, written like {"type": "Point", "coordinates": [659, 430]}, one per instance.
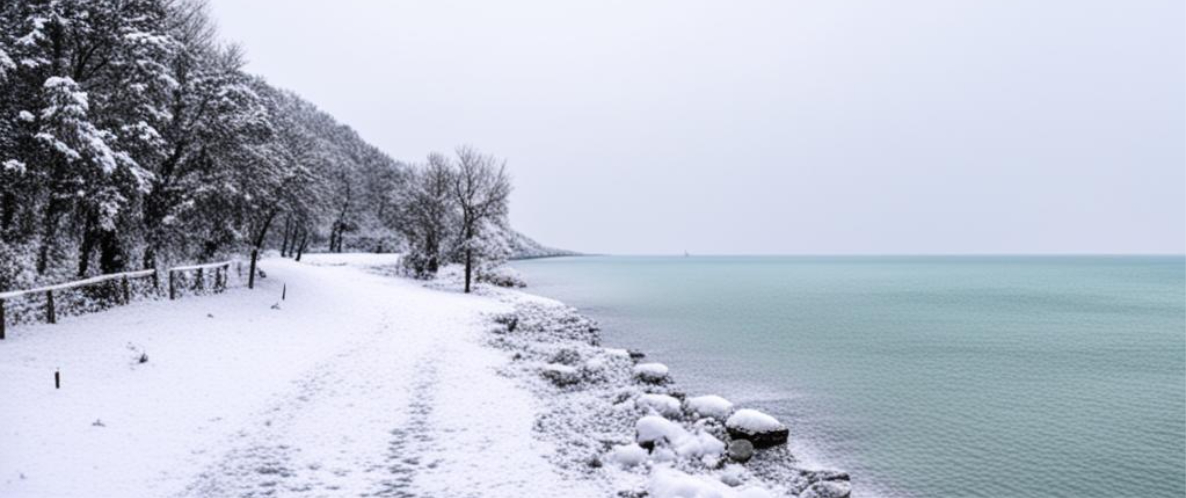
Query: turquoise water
{"type": "Point", "coordinates": [923, 376]}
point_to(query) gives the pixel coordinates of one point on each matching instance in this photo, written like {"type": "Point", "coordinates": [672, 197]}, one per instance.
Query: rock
{"type": "Point", "coordinates": [814, 476]}
{"type": "Point", "coordinates": [828, 489]}
{"type": "Point", "coordinates": [709, 406]}
{"type": "Point", "coordinates": [662, 404]}
{"type": "Point", "coordinates": [653, 373]}
{"type": "Point", "coordinates": [636, 354]}
{"type": "Point", "coordinates": [741, 450]}
{"type": "Point", "coordinates": [759, 428]}
{"type": "Point", "coordinates": [561, 375]}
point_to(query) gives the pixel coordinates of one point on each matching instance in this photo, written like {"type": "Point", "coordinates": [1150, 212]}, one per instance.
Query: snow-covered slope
{"type": "Point", "coordinates": [524, 247]}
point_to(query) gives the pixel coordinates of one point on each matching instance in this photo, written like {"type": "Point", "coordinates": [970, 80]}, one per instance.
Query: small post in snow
{"type": "Point", "coordinates": [57, 379]}
{"type": "Point", "coordinates": [172, 286]}
{"type": "Point", "coordinates": [50, 315]}
{"type": "Point", "coordinates": [284, 292]}
{"type": "Point", "coordinates": [126, 290]}
{"type": "Point", "coordinates": [1, 319]}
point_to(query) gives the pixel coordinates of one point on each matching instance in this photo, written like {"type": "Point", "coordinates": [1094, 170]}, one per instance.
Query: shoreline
{"type": "Point", "coordinates": [597, 408]}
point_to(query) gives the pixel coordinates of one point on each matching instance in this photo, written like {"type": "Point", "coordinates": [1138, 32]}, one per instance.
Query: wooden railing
{"type": "Point", "coordinates": [124, 296]}
{"type": "Point", "coordinates": [220, 275]}
{"type": "Point", "coordinates": [51, 315]}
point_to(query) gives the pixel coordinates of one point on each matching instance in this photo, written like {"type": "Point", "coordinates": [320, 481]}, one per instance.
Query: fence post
{"type": "Point", "coordinates": [50, 315]}
{"type": "Point", "coordinates": [199, 283]}
{"type": "Point", "coordinates": [127, 290]}
{"type": "Point", "coordinates": [156, 279]}
{"type": "Point", "coordinates": [172, 286]}
{"type": "Point", "coordinates": [1, 319]}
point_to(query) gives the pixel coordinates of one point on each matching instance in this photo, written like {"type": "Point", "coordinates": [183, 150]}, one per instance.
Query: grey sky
{"type": "Point", "coordinates": [771, 127]}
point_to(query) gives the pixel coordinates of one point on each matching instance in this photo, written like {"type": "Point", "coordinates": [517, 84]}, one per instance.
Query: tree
{"type": "Point", "coordinates": [426, 214]}
{"type": "Point", "coordinates": [481, 189]}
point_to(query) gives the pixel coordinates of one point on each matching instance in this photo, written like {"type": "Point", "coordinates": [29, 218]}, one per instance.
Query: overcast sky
{"type": "Point", "coordinates": [640, 126]}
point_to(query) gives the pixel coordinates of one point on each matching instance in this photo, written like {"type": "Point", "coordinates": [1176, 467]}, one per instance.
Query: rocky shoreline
{"type": "Point", "coordinates": [615, 416]}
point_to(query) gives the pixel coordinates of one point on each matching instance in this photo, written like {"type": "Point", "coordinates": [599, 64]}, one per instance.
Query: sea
{"type": "Point", "coordinates": [923, 376]}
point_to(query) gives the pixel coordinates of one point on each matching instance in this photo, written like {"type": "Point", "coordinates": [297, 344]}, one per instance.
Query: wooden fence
{"type": "Point", "coordinates": [220, 275]}
{"type": "Point", "coordinates": [124, 295]}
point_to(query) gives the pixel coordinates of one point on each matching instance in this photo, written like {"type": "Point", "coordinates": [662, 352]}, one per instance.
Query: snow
{"type": "Point", "coordinates": [672, 483]}
{"type": "Point", "coordinates": [359, 384]}
{"type": "Point", "coordinates": [628, 455]}
{"type": "Point", "coordinates": [752, 421]}
{"type": "Point", "coordinates": [651, 372]}
{"type": "Point", "coordinates": [710, 406]}
{"type": "Point", "coordinates": [658, 430]}
{"type": "Point", "coordinates": [662, 404]}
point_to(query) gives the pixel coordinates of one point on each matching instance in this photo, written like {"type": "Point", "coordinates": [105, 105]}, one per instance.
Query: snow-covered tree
{"type": "Point", "coordinates": [481, 190]}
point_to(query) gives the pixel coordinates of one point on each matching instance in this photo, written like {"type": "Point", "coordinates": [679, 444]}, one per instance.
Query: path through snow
{"type": "Point", "coordinates": [359, 385]}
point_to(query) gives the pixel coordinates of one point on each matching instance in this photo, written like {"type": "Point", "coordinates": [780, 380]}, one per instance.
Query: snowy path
{"type": "Point", "coordinates": [360, 385]}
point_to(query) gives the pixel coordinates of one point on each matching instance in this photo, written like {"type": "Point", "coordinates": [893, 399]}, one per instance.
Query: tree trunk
{"type": "Point", "coordinates": [284, 243]}
{"type": "Point", "coordinates": [469, 267]}
{"type": "Point", "coordinates": [304, 243]}
{"type": "Point", "coordinates": [251, 275]}
{"type": "Point", "coordinates": [85, 249]}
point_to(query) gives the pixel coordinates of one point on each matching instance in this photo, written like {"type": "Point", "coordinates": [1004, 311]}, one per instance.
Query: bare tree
{"type": "Point", "coordinates": [481, 189]}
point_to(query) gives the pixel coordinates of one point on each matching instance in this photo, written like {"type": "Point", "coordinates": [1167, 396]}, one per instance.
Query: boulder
{"type": "Point", "coordinates": [758, 428]}
{"type": "Point", "coordinates": [740, 450]}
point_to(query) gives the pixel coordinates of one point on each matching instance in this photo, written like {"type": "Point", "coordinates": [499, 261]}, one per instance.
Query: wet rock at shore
{"type": "Point", "coordinates": [741, 450]}
{"type": "Point", "coordinates": [758, 428]}
{"type": "Point", "coordinates": [828, 489]}
{"type": "Point", "coordinates": [652, 373]}
{"type": "Point", "coordinates": [814, 476]}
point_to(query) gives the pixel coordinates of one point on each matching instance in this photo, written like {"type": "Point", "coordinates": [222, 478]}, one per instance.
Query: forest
{"type": "Point", "coordinates": [132, 137]}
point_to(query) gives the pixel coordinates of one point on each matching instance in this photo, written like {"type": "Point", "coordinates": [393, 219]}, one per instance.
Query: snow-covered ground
{"type": "Point", "coordinates": [358, 385]}
{"type": "Point", "coordinates": [365, 384]}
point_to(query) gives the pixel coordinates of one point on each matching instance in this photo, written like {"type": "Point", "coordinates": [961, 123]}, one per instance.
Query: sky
{"type": "Point", "coordinates": [770, 127]}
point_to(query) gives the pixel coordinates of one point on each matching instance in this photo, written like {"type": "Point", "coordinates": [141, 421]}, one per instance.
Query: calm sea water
{"type": "Point", "coordinates": [924, 376]}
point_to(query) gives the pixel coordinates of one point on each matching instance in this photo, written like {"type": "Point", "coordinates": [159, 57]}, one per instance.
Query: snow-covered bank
{"type": "Point", "coordinates": [618, 417]}
{"type": "Point", "coordinates": [363, 384]}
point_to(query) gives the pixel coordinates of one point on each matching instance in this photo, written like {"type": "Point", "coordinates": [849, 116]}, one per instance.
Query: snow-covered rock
{"type": "Point", "coordinates": [561, 375]}
{"type": "Point", "coordinates": [655, 373]}
{"type": "Point", "coordinates": [628, 455]}
{"type": "Point", "coordinates": [711, 406]}
{"type": "Point", "coordinates": [662, 404]}
{"type": "Point", "coordinates": [652, 428]}
{"type": "Point", "coordinates": [652, 431]}
{"type": "Point", "coordinates": [671, 483]}
{"type": "Point", "coordinates": [759, 428]}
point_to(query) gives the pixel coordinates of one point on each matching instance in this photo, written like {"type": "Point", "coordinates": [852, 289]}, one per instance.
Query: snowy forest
{"type": "Point", "coordinates": [131, 137]}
